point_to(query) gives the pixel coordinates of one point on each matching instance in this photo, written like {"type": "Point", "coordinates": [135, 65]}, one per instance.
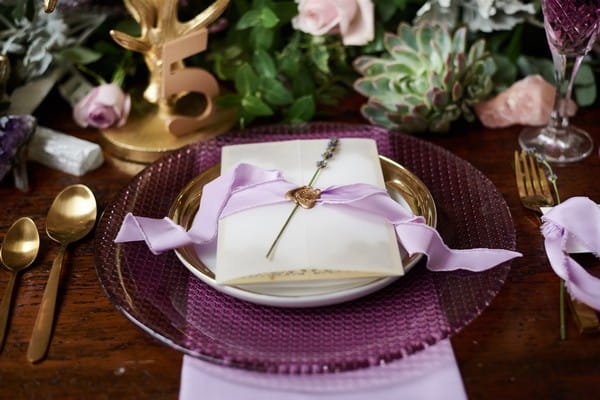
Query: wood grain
{"type": "Point", "coordinates": [511, 351]}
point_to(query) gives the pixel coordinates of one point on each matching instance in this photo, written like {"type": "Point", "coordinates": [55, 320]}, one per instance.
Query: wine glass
{"type": "Point", "coordinates": [571, 29]}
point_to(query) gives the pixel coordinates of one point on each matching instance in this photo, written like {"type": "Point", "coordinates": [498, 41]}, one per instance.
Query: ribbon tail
{"type": "Point", "coordinates": [581, 284]}
{"type": "Point", "coordinates": [421, 238]}
{"type": "Point", "coordinates": [159, 234]}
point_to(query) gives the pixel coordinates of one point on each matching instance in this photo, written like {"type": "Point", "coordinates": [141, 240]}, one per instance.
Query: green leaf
{"type": "Point", "coordinates": [320, 56]}
{"type": "Point", "coordinates": [585, 86]}
{"type": "Point", "coordinates": [261, 37]}
{"type": "Point", "coordinates": [275, 92]}
{"type": "Point", "coordinates": [302, 83]}
{"type": "Point", "coordinates": [268, 18]}
{"type": "Point", "coordinates": [303, 109]}
{"type": "Point", "coordinates": [506, 72]}
{"type": "Point", "coordinates": [531, 66]}
{"type": "Point", "coordinates": [79, 55]}
{"type": "Point", "coordinates": [289, 60]}
{"type": "Point", "coordinates": [228, 100]}
{"type": "Point", "coordinates": [255, 106]}
{"type": "Point", "coordinates": [263, 63]}
{"type": "Point", "coordinates": [249, 19]}
{"type": "Point", "coordinates": [246, 81]}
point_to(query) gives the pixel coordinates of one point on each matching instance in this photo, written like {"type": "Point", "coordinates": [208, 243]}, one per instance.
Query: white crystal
{"type": "Point", "coordinates": [64, 152]}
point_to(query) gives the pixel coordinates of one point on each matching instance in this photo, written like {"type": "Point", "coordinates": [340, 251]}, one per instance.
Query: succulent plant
{"type": "Point", "coordinates": [425, 80]}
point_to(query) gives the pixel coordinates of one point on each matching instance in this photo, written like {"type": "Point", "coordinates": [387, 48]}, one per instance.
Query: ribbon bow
{"type": "Point", "coordinates": [577, 218]}
{"type": "Point", "coordinates": [246, 186]}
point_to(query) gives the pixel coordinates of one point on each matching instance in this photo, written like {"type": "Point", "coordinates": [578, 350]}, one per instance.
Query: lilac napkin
{"type": "Point", "coordinates": [431, 374]}
{"type": "Point", "coordinates": [576, 219]}
{"type": "Point", "coordinates": [246, 186]}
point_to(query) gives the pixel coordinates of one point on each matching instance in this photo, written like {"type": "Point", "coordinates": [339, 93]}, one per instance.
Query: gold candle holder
{"type": "Point", "coordinates": [179, 118]}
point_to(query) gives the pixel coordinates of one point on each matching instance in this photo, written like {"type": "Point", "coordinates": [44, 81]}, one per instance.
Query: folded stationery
{"type": "Point", "coordinates": [245, 187]}
{"type": "Point", "coordinates": [318, 243]}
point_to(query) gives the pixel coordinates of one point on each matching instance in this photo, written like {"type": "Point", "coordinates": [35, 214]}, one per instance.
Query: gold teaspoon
{"type": "Point", "coordinates": [71, 216]}
{"type": "Point", "coordinates": [19, 250]}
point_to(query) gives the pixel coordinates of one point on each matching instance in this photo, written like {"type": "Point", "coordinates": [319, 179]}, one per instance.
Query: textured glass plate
{"type": "Point", "coordinates": [165, 299]}
{"type": "Point", "coordinates": [403, 187]}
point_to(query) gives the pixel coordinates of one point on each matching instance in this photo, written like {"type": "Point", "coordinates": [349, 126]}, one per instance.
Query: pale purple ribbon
{"type": "Point", "coordinates": [246, 186]}
{"type": "Point", "coordinates": [577, 218]}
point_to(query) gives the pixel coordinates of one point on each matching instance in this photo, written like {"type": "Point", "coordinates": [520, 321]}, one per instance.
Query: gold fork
{"type": "Point", "coordinates": [532, 183]}
{"type": "Point", "coordinates": [534, 192]}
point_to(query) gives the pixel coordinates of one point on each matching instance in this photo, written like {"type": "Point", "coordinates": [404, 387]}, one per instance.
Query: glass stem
{"type": "Point", "coordinates": [559, 119]}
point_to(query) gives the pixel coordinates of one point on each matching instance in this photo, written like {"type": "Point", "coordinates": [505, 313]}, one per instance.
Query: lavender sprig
{"type": "Point", "coordinates": [553, 178]}
{"type": "Point", "coordinates": [321, 164]}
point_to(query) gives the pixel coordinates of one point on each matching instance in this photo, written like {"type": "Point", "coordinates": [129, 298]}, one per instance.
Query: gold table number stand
{"type": "Point", "coordinates": [179, 118]}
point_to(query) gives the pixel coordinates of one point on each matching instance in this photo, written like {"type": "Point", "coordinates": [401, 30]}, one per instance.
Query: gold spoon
{"type": "Point", "coordinates": [71, 216]}
{"type": "Point", "coordinates": [19, 250]}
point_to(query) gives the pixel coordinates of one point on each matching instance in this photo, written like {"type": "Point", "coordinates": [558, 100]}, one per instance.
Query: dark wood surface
{"type": "Point", "coordinates": [512, 351]}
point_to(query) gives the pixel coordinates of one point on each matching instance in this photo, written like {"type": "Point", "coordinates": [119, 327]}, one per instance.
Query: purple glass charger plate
{"type": "Point", "coordinates": [162, 297]}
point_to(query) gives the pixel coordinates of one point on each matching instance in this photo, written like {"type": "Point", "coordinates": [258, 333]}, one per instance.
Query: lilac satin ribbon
{"type": "Point", "coordinates": [578, 218]}
{"type": "Point", "coordinates": [246, 186]}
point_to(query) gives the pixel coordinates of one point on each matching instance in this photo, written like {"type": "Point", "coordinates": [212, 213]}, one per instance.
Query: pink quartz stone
{"type": "Point", "coordinates": [527, 102]}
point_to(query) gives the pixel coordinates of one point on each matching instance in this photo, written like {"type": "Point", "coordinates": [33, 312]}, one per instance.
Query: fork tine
{"type": "Point", "coordinates": [545, 186]}
{"type": "Point", "coordinates": [527, 175]}
{"type": "Point", "coordinates": [535, 177]}
{"type": "Point", "coordinates": [519, 175]}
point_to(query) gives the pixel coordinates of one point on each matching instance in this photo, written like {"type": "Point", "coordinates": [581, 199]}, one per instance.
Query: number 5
{"type": "Point", "coordinates": [187, 80]}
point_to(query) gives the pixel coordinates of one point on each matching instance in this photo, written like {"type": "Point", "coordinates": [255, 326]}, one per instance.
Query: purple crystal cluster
{"type": "Point", "coordinates": [15, 132]}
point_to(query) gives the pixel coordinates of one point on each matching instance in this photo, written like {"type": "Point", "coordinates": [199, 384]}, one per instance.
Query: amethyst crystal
{"type": "Point", "coordinates": [15, 132]}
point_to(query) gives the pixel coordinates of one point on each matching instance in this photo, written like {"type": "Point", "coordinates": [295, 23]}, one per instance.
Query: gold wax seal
{"type": "Point", "coordinates": [305, 196]}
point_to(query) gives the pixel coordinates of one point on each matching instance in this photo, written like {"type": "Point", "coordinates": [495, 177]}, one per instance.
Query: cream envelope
{"type": "Point", "coordinates": [319, 243]}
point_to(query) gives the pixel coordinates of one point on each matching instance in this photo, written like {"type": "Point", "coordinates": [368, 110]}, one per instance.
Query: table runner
{"type": "Point", "coordinates": [431, 374]}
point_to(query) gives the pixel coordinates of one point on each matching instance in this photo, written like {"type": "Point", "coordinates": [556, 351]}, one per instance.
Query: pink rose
{"type": "Point", "coordinates": [353, 19]}
{"type": "Point", "coordinates": [104, 106]}
{"type": "Point", "coordinates": [527, 102]}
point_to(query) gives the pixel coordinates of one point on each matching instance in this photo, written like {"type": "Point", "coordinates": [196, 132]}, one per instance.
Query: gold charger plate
{"type": "Point", "coordinates": [402, 185]}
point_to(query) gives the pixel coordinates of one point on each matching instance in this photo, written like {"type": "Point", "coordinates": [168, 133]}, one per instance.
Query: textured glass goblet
{"type": "Point", "coordinates": [571, 29]}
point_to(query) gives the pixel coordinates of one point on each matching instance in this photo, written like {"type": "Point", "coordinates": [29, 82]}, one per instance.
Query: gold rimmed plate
{"type": "Point", "coordinates": [402, 185]}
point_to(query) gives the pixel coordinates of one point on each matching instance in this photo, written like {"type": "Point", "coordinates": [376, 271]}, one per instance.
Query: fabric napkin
{"type": "Point", "coordinates": [431, 374]}
{"type": "Point", "coordinates": [576, 220]}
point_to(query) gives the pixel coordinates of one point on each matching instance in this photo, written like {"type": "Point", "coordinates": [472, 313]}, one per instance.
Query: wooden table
{"type": "Point", "coordinates": [511, 351]}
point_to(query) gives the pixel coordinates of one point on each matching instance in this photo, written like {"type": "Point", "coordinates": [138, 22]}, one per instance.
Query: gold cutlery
{"type": "Point", "coordinates": [532, 183]}
{"type": "Point", "coordinates": [19, 250]}
{"type": "Point", "coordinates": [534, 192]}
{"type": "Point", "coordinates": [71, 217]}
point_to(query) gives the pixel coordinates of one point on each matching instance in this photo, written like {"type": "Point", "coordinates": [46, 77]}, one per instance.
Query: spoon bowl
{"type": "Point", "coordinates": [19, 250]}
{"type": "Point", "coordinates": [72, 214]}
{"type": "Point", "coordinates": [71, 217]}
{"type": "Point", "coordinates": [21, 245]}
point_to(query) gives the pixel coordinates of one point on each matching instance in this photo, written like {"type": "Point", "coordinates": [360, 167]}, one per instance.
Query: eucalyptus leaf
{"type": "Point", "coordinates": [585, 86]}
{"type": "Point", "coordinates": [79, 55]}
